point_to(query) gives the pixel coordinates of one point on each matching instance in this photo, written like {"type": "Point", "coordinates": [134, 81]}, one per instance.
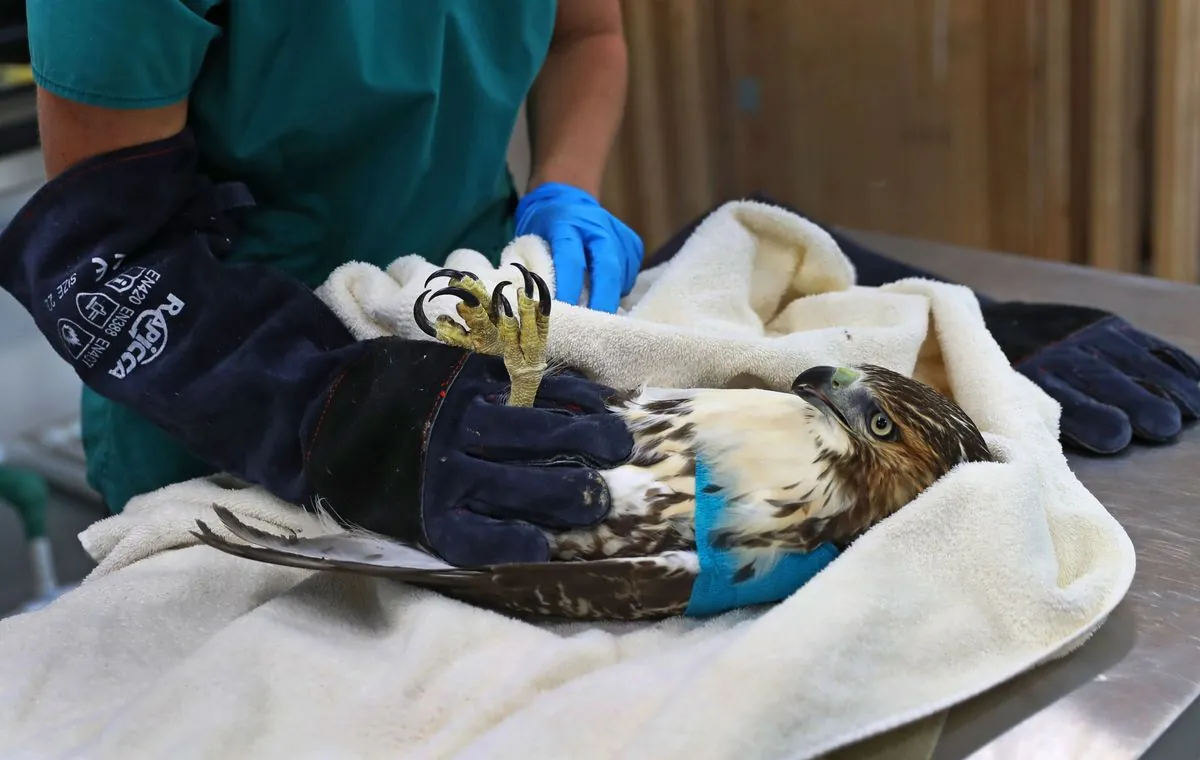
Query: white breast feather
{"type": "Point", "coordinates": [760, 446]}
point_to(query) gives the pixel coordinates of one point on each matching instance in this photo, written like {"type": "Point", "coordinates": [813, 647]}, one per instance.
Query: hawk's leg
{"type": "Point", "coordinates": [492, 328]}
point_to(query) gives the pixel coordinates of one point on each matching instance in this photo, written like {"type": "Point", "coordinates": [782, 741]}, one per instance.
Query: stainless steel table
{"type": "Point", "coordinates": [1119, 693]}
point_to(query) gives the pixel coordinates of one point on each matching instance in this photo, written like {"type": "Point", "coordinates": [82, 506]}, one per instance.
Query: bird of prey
{"type": "Point", "coordinates": [842, 449]}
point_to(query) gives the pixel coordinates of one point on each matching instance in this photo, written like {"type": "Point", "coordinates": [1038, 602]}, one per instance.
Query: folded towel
{"type": "Point", "coordinates": [174, 649]}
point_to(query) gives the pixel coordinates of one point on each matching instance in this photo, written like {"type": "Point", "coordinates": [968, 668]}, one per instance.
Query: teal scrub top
{"type": "Point", "coordinates": [366, 131]}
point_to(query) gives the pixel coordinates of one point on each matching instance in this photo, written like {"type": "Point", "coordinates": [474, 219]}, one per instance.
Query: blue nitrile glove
{"type": "Point", "coordinates": [1114, 382]}
{"type": "Point", "coordinates": [119, 261]}
{"type": "Point", "coordinates": [583, 237]}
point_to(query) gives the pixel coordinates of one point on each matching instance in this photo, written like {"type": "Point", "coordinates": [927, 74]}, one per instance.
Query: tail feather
{"type": "Point", "coordinates": [355, 547]}
{"type": "Point", "coordinates": [635, 588]}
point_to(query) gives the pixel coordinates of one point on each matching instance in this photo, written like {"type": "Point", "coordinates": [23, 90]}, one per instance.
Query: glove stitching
{"type": "Point", "coordinates": [427, 425]}
{"type": "Point", "coordinates": [426, 432]}
{"type": "Point", "coordinates": [321, 419]}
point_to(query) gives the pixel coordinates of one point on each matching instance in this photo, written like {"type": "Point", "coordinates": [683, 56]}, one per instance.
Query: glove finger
{"type": "Point", "coordinates": [1085, 422]}
{"type": "Point", "coordinates": [502, 433]}
{"type": "Point", "coordinates": [465, 537]}
{"type": "Point", "coordinates": [607, 274]}
{"type": "Point", "coordinates": [570, 262]}
{"type": "Point", "coordinates": [574, 392]}
{"type": "Point", "coordinates": [1168, 353]}
{"type": "Point", "coordinates": [1131, 357]}
{"type": "Point", "coordinates": [565, 391]}
{"type": "Point", "coordinates": [559, 497]}
{"type": "Point", "coordinates": [1150, 416]}
{"type": "Point", "coordinates": [560, 371]}
{"type": "Point", "coordinates": [1186, 399]}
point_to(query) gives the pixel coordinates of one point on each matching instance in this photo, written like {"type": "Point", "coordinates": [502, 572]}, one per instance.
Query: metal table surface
{"type": "Point", "coordinates": [1115, 696]}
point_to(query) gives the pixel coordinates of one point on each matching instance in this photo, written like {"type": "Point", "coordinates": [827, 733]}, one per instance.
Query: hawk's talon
{"type": "Point", "coordinates": [526, 276]}
{"type": "Point", "coordinates": [420, 318]}
{"type": "Point", "coordinates": [490, 325]}
{"type": "Point", "coordinates": [532, 278]}
{"type": "Point", "coordinates": [469, 298]}
{"type": "Point", "coordinates": [453, 274]}
{"type": "Point", "coordinates": [498, 301]}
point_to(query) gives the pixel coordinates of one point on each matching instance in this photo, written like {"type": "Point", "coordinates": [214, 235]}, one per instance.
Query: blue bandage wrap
{"type": "Point", "coordinates": [714, 591]}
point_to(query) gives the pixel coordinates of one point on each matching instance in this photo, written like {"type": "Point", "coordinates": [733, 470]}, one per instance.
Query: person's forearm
{"type": "Point", "coordinates": [575, 109]}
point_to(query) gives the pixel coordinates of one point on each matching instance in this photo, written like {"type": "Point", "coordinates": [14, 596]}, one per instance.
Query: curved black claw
{"type": "Point", "coordinates": [498, 301]}
{"type": "Point", "coordinates": [525, 275]}
{"type": "Point", "coordinates": [467, 296]}
{"type": "Point", "coordinates": [453, 274]}
{"type": "Point", "coordinates": [420, 318]}
{"type": "Point", "coordinates": [532, 279]}
{"type": "Point", "coordinates": [543, 294]}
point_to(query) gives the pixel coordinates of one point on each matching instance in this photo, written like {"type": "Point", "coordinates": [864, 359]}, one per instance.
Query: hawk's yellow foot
{"type": "Point", "coordinates": [492, 328]}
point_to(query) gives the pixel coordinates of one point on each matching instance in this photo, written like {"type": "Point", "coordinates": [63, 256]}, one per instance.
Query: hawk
{"type": "Point", "coordinates": [816, 465]}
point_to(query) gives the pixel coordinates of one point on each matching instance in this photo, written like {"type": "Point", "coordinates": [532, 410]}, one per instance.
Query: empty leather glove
{"type": "Point", "coordinates": [1114, 382]}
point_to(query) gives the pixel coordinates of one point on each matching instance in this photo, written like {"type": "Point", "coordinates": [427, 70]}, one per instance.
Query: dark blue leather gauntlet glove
{"type": "Point", "coordinates": [120, 263]}
{"type": "Point", "coordinates": [424, 447]}
{"type": "Point", "coordinates": [1113, 381]}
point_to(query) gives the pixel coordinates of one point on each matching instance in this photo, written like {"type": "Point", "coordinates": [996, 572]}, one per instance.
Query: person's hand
{"type": "Point", "coordinates": [1114, 382]}
{"type": "Point", "coordinates": [416, 442]}
{"type": "Point", "coordinates": [583, 237]}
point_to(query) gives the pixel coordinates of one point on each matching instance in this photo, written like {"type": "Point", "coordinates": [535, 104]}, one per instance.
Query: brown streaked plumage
{"type": "Point", "coordinates": [822, 462]}
{"type": "Point", "coordinates": [796, 469]}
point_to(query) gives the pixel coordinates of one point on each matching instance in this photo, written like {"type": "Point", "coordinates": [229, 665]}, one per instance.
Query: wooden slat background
{"type": "Point", "coordinates": [1017, 125]}
{"type": "Point", "coordinates": [1175, 239]}
{"type": "Point", "coordinates": [1113, 38]}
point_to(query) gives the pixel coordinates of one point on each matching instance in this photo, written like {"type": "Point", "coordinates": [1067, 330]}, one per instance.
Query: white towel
{"type": "Point", "coordinates": [171, 649]}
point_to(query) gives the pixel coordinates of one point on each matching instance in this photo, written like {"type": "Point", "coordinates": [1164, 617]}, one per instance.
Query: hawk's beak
{"type": "Point", "coordinates": [832, 389]}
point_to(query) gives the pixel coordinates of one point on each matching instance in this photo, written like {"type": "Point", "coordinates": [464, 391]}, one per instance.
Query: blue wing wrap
{"type": "Point", "coordinates": [714, 591]}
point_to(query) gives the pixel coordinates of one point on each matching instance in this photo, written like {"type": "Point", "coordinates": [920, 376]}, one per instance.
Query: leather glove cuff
{"type": "Point", "coordinates": [121, 262]}
{"type": "Point", "coordinates": [415, 441]}
{"type": "Point", "coordinates": [1022, 329]}
{"type": "Point", "coordinates": [366, 452]}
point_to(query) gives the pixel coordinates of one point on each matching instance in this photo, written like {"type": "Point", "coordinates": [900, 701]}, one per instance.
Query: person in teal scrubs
{"type": "Point", "coordinates": [294, 136]}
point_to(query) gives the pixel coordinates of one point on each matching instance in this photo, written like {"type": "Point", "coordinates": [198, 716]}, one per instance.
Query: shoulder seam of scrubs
{"type": "Point", "coordinates": [100, 99]}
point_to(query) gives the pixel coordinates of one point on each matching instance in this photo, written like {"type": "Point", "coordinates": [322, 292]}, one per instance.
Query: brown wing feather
{"type": "Point", "coordinates": [640, 588]}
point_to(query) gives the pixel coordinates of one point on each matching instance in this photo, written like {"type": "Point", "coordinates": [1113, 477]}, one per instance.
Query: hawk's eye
{"type": "Point", "coordinates": [881, 425]}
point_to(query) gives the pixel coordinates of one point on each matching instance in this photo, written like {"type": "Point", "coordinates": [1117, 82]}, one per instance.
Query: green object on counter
{"type": "Point", "coordinates": [28, 492]}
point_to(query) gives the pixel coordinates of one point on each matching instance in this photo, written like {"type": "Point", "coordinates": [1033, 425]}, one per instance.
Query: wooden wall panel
{"type": "Point", "coordinates": [1113, 103]}
{"type": "Point", "coordinates": [1014, 125]}
{"type": "Point", "coordinates": [1026, 48]}
{"type": "Point", "coordinates": [944, 119]}
{"type": "Point", "coordinates": [1175, 243]}
{"type": "Point", "coordinates": [667, 161]}
{"type": "Point", "coordinates": [864, 114]}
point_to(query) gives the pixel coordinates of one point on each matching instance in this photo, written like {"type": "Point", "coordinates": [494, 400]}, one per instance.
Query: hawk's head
{"type": "Point", "coordinates": [889, 438]}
